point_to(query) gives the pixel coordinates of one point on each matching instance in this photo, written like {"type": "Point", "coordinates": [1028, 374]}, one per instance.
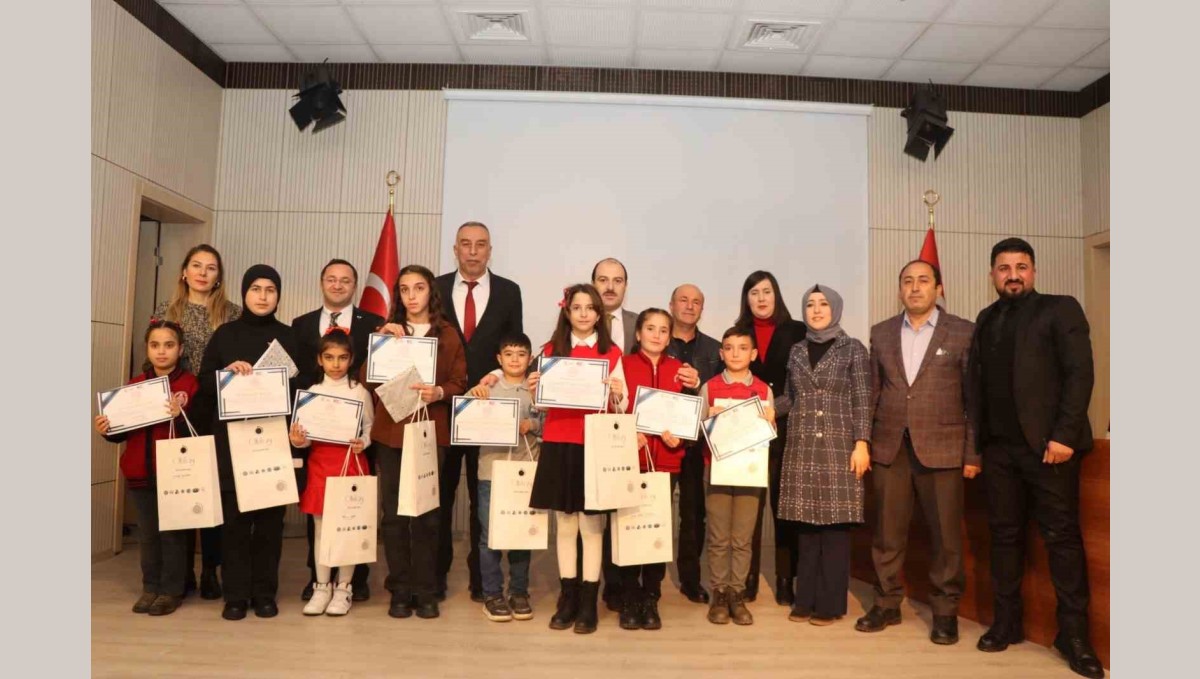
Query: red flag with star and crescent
{"type": "Point", "coordinates": [385, 267]}
{"type": "Point", "coordinates": [929, 254]}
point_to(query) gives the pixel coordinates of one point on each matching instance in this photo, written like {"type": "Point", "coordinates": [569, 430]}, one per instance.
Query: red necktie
{"type": "Point", "coordinates": [469, 311]}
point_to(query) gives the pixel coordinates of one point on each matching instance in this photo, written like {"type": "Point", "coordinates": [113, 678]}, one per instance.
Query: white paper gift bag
{"type": "Point", "coordinates": [189, 490]}
{"type": "Point", "coordinates": [747, 468]}
{"type": "Point", "coordinates": [512, 523]}
{"type": "Point", "coordinates": [643, 534]}
{"type": "Point", "coordinates": [419, 492]}
{"type": "Point", "coordinates": [349, 519]}
{"type": "Point", "coordinates": [610, 458]}
{"type": "Point", "coordinates": [261, 456]}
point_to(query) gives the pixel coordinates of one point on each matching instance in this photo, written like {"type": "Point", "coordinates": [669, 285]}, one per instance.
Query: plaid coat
{"type": "Point", "coordinates": [828, 409]}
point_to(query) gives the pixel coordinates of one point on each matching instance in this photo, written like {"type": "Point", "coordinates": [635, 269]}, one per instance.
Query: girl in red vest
{"type": "Point", "coordinates": [558, 484]}
{"type": "Point", "coordinates": [163, 554]}
{"type": "Point", "coordinates": [647, 366]}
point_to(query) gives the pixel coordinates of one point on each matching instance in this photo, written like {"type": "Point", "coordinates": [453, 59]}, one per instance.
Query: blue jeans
{"type": "Point", "coordinates": [489, 559]}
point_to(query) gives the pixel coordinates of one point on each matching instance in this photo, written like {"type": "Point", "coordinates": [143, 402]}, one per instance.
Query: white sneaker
{"type": "Point", "coordinates": [322, 593]}
{"type": "Point", "coordinates": [341, 601]}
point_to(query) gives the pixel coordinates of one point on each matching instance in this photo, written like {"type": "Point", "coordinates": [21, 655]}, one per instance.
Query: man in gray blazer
{"type": "Point", "coordinates": [921, 439]}
{"type": "Point", "coordinates": [610, 278]}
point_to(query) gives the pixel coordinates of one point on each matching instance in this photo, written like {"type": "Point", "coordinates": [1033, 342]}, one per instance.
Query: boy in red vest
{"type": "Point", "coordinates": [732, 510]}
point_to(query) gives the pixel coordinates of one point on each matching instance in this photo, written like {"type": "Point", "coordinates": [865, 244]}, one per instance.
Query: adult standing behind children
{"type": "Point", "coordinates": [482, 307]}
{"type": "Point", "coordinates": [199, 306]}
{"type": "Point", "coordinates": [252, 541]}
{"type": "Point", "coordinates": [339, 284]}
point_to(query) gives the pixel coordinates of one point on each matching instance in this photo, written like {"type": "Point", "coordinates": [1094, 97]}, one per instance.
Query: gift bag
{"type": "Point", "coordinates": [261, 456]}
{"type": "Point", "coordinates": [349, 518]}
{"type": "Point", "coordinates": [610, 472]}
{"type": "Point", "coordinates": [189, 491]}
{"type": "Point", "coordinates": [747, 468]}
{"type": "Point", "coordinates": [512, 523]}
{"type": "Point", "coordinates": [419, 492]}
{"type": "Point", "coordinates": [643, 534]}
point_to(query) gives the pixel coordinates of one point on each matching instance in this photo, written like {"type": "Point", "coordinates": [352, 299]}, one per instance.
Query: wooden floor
{"type": "Point", "coordinates": [196, 642]}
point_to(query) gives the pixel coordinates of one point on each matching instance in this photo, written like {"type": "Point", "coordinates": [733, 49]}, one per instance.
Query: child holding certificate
{"type": "Point", "coordinates": [163, 554]}
{"type": "Point", "coordinates": [410, 543]}
{"type": "Point", "coordinates": [513, 358]}
{"type": "Point", "coordinates": [558, 484]}
{"type": "Point", "coordinates": [649, 367]}
{"type": "Point", "coordinates": [335, 354]}
{"type": "Point", "coordinates": [732, 510]}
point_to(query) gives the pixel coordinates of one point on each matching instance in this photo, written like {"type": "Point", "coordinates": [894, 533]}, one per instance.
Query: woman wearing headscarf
{"type": "Point", "coordinates": [251, 541]}
{"type": "Point", "coordinates": [825, 457]}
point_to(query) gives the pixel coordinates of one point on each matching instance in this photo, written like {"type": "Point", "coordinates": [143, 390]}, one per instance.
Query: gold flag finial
{"type": "Point", "coordinates": [931, 198]}
{"type": "Point", "coordinates": [393, 178]}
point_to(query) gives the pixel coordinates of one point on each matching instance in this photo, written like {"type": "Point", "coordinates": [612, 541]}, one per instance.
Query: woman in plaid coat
{"type": "Point", "coordinates": [827, 400]}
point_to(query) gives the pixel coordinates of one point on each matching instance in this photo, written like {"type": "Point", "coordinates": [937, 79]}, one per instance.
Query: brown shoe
{"type": "Point", "coordinates": [718, 610]}
{"type": "Point", "coordinates": [144, 602]}
{"type": "Point", "coordinates": [165, 604]}
{"type": "Point", "coordinates": [738, 611]}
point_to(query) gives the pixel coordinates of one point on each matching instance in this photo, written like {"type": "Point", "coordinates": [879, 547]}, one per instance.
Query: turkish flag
{"type": "Point", "coordinates": [385, 267]}
{"type": "Point", "coordinates": [929, 254]}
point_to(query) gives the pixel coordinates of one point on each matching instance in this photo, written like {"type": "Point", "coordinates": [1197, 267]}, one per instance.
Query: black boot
{"type": "Point", "coordinates": [784, 593]}
{"type": "Point", "coordinates": [210, 586]}
{"type": "Point", "coordinates": [631, 609]}
{"type": "Point", "coordinates": [585, 623]}
{"type": "Point", "coordinates": [568, 604]}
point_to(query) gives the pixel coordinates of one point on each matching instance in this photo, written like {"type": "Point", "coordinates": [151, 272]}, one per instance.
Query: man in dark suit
{"type": "Point", "coordinates": [701, 357]}
{"type": "Point", "coordinates": [611, 280]}
{"type": "Point", "coordinates": [483, 307]}
{"type": "Point", "coordinates": [922, 441]}
{"type": "Point", "coordinates": [1031, 375]}
{"type": "Point", "coordinates": [339, 283]}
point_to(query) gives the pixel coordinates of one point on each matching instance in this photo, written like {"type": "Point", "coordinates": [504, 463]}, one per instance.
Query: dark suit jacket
{"type": "Point", "coordinates": [934, 408]}
{"type": "Point", "coordinates": [706, 358]}
{"type": "Point", "coordinates": [629, 342]}
{"type": "Point", "coordinates": [307, 329]}
{"type": "Point", "coordinates": [772, 368]}
{"type": "Point", "coordinates": [501, 317]}
{"type": "Point", "coordinates": [1052, 372]}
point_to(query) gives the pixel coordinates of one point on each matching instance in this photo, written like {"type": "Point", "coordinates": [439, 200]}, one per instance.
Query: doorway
{"type": "Point", "coordinates": [1097, 261]}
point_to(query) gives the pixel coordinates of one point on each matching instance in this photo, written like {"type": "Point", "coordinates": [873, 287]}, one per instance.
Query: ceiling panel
{"type": "Point", "coordinates": [1077, 14]}
{"type": "Point", "coordinates": [399, 24]}
{"type": "Point", "coordinates": [418, 54]}
{"type": "Point", "coordinates": [1074, 79]}
{"type": "Point", "coordinates": [309, 24]}
{"type": "Point", "coordinates": [683, 30]}
{"type": "Point", "coordinates": [893, 10]}
{"type": "Point", "coordinates": [342, 54]}
{"type": "Point", "coordinates": [589, 26]}
{"type": "Point", "coordinates": [752, 62]}
{"type": "Point", "coordinates": [1023, 77]}
{"type": "Point", "coordinates": [513, 55]}
{"type": "Point", "coordinates": [679, 60]}
{"type": "Point", "coordinates": [267, 53]}
{"type": "Point", "coordinates": [951, 42]}
{"type": "Point", "coordinates": [1049, 47]}
{"type": "Point", "coordinates": [869, 38]}
{"type": "Point", "coordinates": [707, 5]}
{"type": "Point", "coordinates": [1097, 58]}
{"type": "Point", "coordinates": [864, 68]}
{"type": "Point", "coordinates": [591, 57]}
{"type": "Point", "coordinates": [222, 23]}
{"type": "Point", "coordinates": [805, 8]}
{"type": "Point", "coordinates": [1007, 12]}
{"type": "Point", "coordinates": [940, 72]}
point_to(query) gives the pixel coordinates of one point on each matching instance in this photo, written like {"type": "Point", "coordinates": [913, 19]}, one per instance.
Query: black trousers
{"type": "Point", "coordinates": [1019, 486]}
{"type": "Point", "coordinates": [448, 474]}
{"type": "Point", "coordinates": [210, 550]}
{"type": "Point", "coordinates": [362, 571]}
{"type": "Point", "coordinates": [410, 543]}
{"type": "Point", "coordinates": [163, 554]}
{"type": "Point", "coordinates": [823, 569]}
{"type": "Point", "coordinates": [692, 516]}
{"type": "Point", "coordinates": [785, 531]}
{"type": "Point", "coordinates": [253, 543]}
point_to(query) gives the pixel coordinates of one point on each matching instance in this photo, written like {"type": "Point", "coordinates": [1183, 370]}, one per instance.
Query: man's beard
{"type": "Point", "coordinates": [1006, 294]}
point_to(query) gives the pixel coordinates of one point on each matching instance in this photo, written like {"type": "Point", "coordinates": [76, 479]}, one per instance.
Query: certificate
{"type": "Point", "coordinates": [262, 393]}
{"type": "Point", "coordinates": [485, 422]}
{"type": "Point", "coordinates": [134, 406]}
{"type": "Point", "coordinates": [331, 419]}
{"type": "Point", "coordinates": [658, 411]}
{"type": "Point", "coordinates": [738, 428]}
{"type": "Point", "coordinates": [577, 383]}
{"type": "Point", "coordinates": [388, 356]}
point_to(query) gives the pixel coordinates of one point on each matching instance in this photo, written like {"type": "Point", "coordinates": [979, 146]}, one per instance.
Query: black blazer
{"type": "Point", "coordinates": [706, 358]}
{"type": "Point", "coordinates": [772, 368]}
{"type": "Point", "coordinates": [1052, 372]}
{"type": "Point", "coordinates": [307, 329]}
{"type": "Point", "coordinates": [501, 317]}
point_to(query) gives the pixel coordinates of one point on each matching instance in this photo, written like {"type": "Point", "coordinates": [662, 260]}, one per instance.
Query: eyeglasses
{"type": "Point", "coordinates": [330, 280]}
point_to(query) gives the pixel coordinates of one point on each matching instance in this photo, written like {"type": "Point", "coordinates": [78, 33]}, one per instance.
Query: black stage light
{"type": "Point", "coordinates": [926, 124]}
{"type": "Point", "coordinates": [319, 101]}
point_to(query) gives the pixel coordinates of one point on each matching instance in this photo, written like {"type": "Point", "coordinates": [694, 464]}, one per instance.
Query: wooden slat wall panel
{"type": "Point", "coordinates": [1055, 184]}
{"type": "Point", "coordinates": [419, 236]}
{"type": "Point", "coordinates": [251, 149]}
{"type": "Point", "coordinates": [245, 239]}
{"type": "Point", "coordinates": [887, 172]}
{"type": "Point", "coordinates": [358, 234]}
{"type": "Point", "coordinates": [169, 131]}
{"type": "Point", "coordinates": [1059, 266]}
{"type": "Point", "coordinates": [890, 249]}
{"type": "Point", "coordinates": [425, 154]}
{"type": "Point", "coordinates": [110, 275]}
{"type": "Point", "coordinates": [103, 511]}
{"type": "Point", "coordinates": [1094, 145]}
{"type": "Point", "coordinates": [203, 139]}
{"type": "Point", "coordinates": [1102, 140]}
{"type": "Point", "coordinates": [998, 173]}
{"type": "Point", "coordinates": [103, 27]}
{"type": "Point", "coordinates": [311, 171]}
{"type": "Point", "coordinates": [376, 142]}
{"type": "Point", "coordinates": [949, 175]}
{"type": "Point", "coordinates": [304, 242]}
{"type": "Point", "coordinates": [132, 99]}
{"type": "Point", "coordinates": [107, 342]}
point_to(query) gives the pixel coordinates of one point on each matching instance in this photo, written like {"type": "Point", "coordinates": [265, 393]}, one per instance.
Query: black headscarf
{"type": "Point", "coordinates": [252, 274]}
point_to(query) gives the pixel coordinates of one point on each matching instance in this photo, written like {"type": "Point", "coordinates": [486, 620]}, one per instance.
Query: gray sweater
{"type": "Point", "coordinates": [489, 454]}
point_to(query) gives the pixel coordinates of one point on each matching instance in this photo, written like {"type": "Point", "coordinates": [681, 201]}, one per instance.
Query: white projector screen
{"type": "Point", "coordinates": [680, 189]}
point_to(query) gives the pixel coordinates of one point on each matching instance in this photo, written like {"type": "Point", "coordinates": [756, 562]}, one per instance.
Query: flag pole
{"type": "Point", "coordinates": [393, 178]}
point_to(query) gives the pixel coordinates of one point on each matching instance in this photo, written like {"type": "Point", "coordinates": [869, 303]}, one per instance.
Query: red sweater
{"type": "Point", "coordinates": [717, 388]}
{"type": "Point", "coordinates": [640, 371]}
{"type": "Point", "coordinates": [565, 425]}
{"type": "Point", "coordinates": [137, 461]}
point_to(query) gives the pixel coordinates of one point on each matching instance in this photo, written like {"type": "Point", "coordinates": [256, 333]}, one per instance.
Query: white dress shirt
{"type": "Point", "coordinates": [459, 295]}
{"type": "Point", "coordinates": [347, 315]}
{"type": "Point", "coordinates": [914, 343]}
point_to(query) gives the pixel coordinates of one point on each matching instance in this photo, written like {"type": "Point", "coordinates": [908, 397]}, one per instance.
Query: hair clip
{"type": "Point", "coordinates": [563, 302]}
{"type": "Point", "coordinates": [337, 328]}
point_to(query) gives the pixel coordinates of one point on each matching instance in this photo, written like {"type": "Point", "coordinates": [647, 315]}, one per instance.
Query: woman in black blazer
{"type": "Point", "coordinates": [764, 311]}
